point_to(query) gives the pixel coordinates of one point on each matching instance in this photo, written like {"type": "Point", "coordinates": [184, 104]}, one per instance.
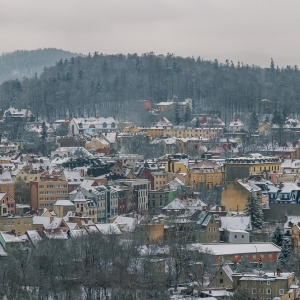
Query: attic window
{"type": "Point", "coordinates": [80, 125]}
{"type": "Point", "coordinates": [104, 125]}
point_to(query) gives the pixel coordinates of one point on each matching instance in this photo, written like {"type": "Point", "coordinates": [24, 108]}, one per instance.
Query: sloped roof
{"type": "Point", "coordinates": [108, 229]}
{"type": "Point", "coordinates": [125, 223]}
{"type": "Point", "coordinates": [63, 202]}
{"type": "Point", "coordinates": [79, 196]}
{"type": "Point", "coordinates": [236, 223]}
{"type": "Point", "coordinates": [163, 122]}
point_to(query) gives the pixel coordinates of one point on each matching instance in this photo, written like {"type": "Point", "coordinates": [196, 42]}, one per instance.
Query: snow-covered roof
{"type": "Point", "coordinates": [293, 220]}
{"type": "Point", "coordinates": [59, 235]}
{"type": "Point", "coordinates": [163, 122]}
{"type": "Point", "coordinates": [235, 249]}
{"type": "Point", "coordinates": [236, 223]}
{"type": "Point", "coordinates": [235, 123]}
{"type": "Point", "coordinates": [85, 123]}
{"type": "Point", "coordinates": [109, 228]}
{"type": "Point", "coordinates": [34, 236]}
{"type": "Point", "coordinates": [165, 103]}
{"type": "Point", "coordinates": [37, 220]}
{"type": "Point", "coordinates": [249, 185]}
{"type": "Point", "coordinates": [63, 202]}
{"type": "Point", "coordinates": [125, 223]}
{"type": "Point", "coordinates": [9, 237]}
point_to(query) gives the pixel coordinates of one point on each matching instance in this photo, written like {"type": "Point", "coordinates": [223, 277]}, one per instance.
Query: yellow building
{"type": "Point", "coordinates": [254, 164]}
{"type": "Point", "coordinates": [61, 207]}
{"type": "Point", "coordinates": [179, 132]}
{"type": "Point", "coordinates": [235, 195]}
{"type": "Point", "coordinates": [160, 179]}
{"type": "Point", "coordinates": [17, 224]}
{"type": "Point", "coordinates": [176, 167]}
{"type": "Point", "coordinates": [263, 128]}
{"type": "Point", "coordinates": [204, 173]}
{"type": "Point", "coordinates": [162, 106]}
{"type": "Point", "coordinates": [27, 175]}
{"type": "Point", "coordinates": [96, 144]}
{"type": "Point", "coordinates": [43, 194]}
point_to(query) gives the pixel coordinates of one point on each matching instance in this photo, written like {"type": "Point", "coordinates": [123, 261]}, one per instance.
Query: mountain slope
{"type": "Point", "coordinates": [21, 63]}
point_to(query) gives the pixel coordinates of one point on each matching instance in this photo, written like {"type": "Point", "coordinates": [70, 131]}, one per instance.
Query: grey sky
{"type": "Point", "coordinates": [251, 31]}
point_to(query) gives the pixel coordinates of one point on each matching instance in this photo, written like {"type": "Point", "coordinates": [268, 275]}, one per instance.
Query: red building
{"type": "Point", "coordinates": [7, 199]}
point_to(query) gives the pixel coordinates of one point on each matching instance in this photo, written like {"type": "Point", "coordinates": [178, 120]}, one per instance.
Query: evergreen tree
{"type": "Point", "coordinates": [254, 210]}
{"type": "Point", "coordinates": [197, 124]}
{"type": "Point", "coordinates": [276, 118]}
{"type": "Point", "coordinates": [244, 265]}
{"type": "Point", "coordinates": [284, 254]}
{"type": "Point", "coordinates": [43, 137]}
{"type": "Point", "coordinates": [254, 122]}
{"type": "Point", "coordinates": [177, 114]}
{"type": "Point", "coordinates": [260, 264]}
{"type": "Point", "coordinates": [187, 115]}
{"type": "Point", "coordinates": [234, 266]}
{"type": "Point", "coordinates": [272, 66]}
{"type": "Point", "coordinates": [277, 236]}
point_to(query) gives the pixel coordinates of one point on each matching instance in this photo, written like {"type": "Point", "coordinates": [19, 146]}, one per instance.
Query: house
{"type": "Point", "coordinates": [267, 285]}
{"type": "Point", "coordinates": [163, 123]}
{"type": "Point", "coordinates": [223, 278]}
{"type": "Point", "coordinates": [7, 204]}
{"type": "Point", "coordinates": [235, 195]}
{"type": "Point", "coordinates": [13, 114]}
{"type": "Point", "coordinates": [235, 229]}
{"type": "Point", "coordinates": [87, 207]}
{"type": "Point", "coordinates": [62, 206]}
{"type": "Point", "coordinates": [8, 240]}
{"type": "Point", "coordinates": [6, 183]}
{"type": "Point", "coordinates": [287, 192]}
{"type": "Point", "coordinates": [207, 225]}
{"type": "Point", "coordinates": [98, 145]}
{"type": "Point", "coordinates": [162, 106]}
{"type": "Point", "coordinates": [236, 126]}
{"type": "Point", "coordinates": [92, 125]}
{"type": "Point", "coordinates": [204, 173]}
{"type": "Point", "coordinates": [184, 206]}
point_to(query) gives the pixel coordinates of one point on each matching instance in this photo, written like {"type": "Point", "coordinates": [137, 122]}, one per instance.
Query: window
{"type": "Point", "coordinates": [242, 236]}
{"type": "Point", "coordinates": [221, 280]}
{"type": "Point", "coordinates": [268, 291]}
{"type": "Point", "coordinates": [235, 236]}
{"type": "Point", "coordinates": [268, 282]}
{"type": "Point", "coordinates": [253, 291]}
{"type": "Point", "coordinates": [281, 292]}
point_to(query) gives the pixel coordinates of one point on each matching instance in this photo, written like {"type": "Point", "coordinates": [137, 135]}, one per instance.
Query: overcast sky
{"type": "Point", "coordinates": [250, 31]}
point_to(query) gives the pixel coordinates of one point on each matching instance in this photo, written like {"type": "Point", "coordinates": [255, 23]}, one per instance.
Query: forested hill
{"type": "Point", "coordinates": [21, 63]}
{"type": "Point", "coordinates": [102, 85]}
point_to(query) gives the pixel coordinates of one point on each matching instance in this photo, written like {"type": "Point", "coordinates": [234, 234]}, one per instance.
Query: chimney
{"type": "Point", "coordinates": [281, 185]}
{"type": "Point", "coordinates": [278, 272]}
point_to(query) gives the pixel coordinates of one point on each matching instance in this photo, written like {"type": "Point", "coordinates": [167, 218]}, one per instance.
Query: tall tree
{"type": "Point", "coordinates": [187, 115]}
{"type": "Point", "coordinates": [254, 210]}
{"type": "Point", "coordinates": [277, 236]}
{"type": "Point", "coordinates": [254, 122]}
{"type": "Point", "coordinates": [177, 114]}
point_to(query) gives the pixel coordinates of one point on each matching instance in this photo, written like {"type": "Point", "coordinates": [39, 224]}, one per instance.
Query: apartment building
{"type": "Point", "coordinates": [140, 189]}
{"type": "Point", "coordinates": [253, 164]}
{"type": "Point", "coordinates": [16, 224]}
{"type": "Point", "coordinates": [43, 194]}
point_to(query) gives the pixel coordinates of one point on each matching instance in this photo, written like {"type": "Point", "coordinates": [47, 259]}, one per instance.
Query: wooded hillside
{"type": "Point", "coordinates": [102, 85]}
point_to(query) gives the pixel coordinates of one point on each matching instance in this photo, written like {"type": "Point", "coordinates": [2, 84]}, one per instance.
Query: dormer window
{"type": "Point", "coordinates": [113, 125]}
{"type": "Point", "coordinates": [104, 125]}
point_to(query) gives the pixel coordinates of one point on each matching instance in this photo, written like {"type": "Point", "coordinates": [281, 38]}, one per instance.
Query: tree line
{"type": "Point", "coordinates": [102, 85]}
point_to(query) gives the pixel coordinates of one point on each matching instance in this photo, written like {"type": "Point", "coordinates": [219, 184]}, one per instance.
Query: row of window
{"type": "Point", "coordinates": [19, 223]}
{"type": "Point", "coordinates": [51, 186]}
{"type": "Point", "coordinates": [52, 192]}
{"type": "Point", "coordinates": [268, 291]}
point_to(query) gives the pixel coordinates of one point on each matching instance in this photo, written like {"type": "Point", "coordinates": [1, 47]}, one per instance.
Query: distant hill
{"type": "Point", "coordinates": [21, 63]}
{"type": "Point", "coordinates": [114, 85]}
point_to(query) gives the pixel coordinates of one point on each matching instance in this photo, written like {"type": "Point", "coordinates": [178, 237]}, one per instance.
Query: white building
{"type": "Point", "coordinates": [236, 125]}
{"type": "Point", "coordinates": [92, 125]}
